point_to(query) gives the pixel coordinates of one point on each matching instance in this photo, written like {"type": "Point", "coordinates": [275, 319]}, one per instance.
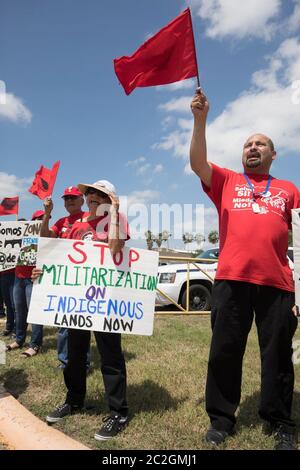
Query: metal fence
{"type": "Point", "coordinates": [188, 261]}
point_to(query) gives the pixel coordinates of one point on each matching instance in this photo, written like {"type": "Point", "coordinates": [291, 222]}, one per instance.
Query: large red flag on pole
{"type": "Point", "coordinates": [9, 205]}
{"type": "Point", "coordinates": [168, 56]}
{"type": "Point", "coordinates": [44, 180]}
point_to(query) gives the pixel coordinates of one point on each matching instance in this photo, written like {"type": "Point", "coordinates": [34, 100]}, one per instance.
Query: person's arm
{"type": "Point", "coordinates": [198, 152]}
{"type": "Point", "coordinates": [45, 230]}
{"type": "Point", "coordinates": [115, 243]}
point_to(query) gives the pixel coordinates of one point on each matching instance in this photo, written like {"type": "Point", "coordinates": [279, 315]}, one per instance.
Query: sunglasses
{"type": "Point", "coordinates": [95, 191]}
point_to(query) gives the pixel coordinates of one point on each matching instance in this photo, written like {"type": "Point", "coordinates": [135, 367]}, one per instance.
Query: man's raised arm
{"type": "Point", "coordinates": [198, 153]}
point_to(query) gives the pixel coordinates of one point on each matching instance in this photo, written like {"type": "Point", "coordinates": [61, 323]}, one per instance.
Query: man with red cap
{"type": "Point", "coordinates": [21, 296]}
{"type": "Point", "coordinates": [74, 201]}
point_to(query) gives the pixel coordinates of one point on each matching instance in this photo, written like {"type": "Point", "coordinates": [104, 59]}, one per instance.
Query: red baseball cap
{"type": "Point", "coordinates": [72, 191]}
{"type": "Point", "coordinates": [37, 214]}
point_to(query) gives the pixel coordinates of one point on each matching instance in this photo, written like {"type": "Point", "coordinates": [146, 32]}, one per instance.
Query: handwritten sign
{"type": "Point", "coordinates": [18, 241]}
{"type": "Point", "coordinates": [296, 244]}
{"type": "Point", "coordinates": [83, 286]}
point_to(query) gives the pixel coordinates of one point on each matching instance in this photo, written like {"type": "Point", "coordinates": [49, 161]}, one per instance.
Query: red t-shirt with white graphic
{"type": "Point", "coordinates": [62, 227]}
{"type": "Point", "coordinates": [253, 245]}
{"type": "Point", "coordinates": [97, 229]}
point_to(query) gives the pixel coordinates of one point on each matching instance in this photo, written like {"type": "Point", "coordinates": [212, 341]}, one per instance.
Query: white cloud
{"type": "Point", "coordinates": [267, 107]}
{"type": "Point", "coordinates": [13, 109]}
{"type": "Point", "coordinates": [142, 197]}
{"type": "Point", "coordinates": [177, 105]}
{"type": "Point", "coordinates": [136, 162]}
{"type": "Point", "coordinates": [251, 18]}
{"type": "Point", "coordinates": [142, 170]}
{"type": "Point", "coordinates": [293, 22]}
{"type": "Point", "coordinates": [182, 85]}
{"type": "Point", "coordinates": [145, 169]}
{"type": "Point", "coordinates": [158, 168]}
{"type": "Point", "coordinates": [11, 185]}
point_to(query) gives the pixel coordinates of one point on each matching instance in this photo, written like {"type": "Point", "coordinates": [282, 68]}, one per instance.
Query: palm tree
{"type": "Point", "coordinates": [213, 237]}
{"type": "Point", "coordinates": [187, 238]}
{"type": "Point", "coordinates": [149, 239]}
{"type": "Point", "coordinates": [158, 240]}
{"type": "Point", "coordinates": [199, 238]}
{"type": "Point", "coordinates": [165, 236]}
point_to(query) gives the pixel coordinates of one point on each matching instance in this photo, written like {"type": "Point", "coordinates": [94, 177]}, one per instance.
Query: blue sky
{"type": "Point", "coordinates": [64, 102]}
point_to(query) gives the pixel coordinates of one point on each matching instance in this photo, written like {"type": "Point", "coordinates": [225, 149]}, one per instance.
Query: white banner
{"type": "Point", "coordinates": [18, 241]}
{"type": "Point", "coordinates": [84, 287]}
{"type": "Point", "coordinates": [296, 245]}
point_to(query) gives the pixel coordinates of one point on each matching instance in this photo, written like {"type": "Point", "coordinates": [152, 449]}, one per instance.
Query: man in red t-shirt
{"type": "Point", "coordinates": [74, 201]}
{"type": "Point", "coordinates": [253, 275]}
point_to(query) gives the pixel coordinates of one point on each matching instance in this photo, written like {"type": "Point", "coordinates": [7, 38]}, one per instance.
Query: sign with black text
{"type": "Point", "coordinates": [83, 286]}
{"type": "Point", "coordinates": [18, 242]}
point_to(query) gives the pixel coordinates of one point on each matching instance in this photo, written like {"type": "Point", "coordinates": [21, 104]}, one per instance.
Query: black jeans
{"type": "Point", "coordinates": [112, 367]}
{"type": "Point", "coordinates": [233, 307]}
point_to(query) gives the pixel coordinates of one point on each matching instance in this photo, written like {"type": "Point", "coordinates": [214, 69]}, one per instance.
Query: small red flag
{"type": "Point", "coordinates": [9, 205]}
{"type": "Point", "coordinates": [44, 180]}
{"type": "Point", "coordinates": [168, 56]}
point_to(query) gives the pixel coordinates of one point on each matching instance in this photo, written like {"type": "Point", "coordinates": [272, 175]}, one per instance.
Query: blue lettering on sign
{"type": "Point", "coordinates": [110, 307]}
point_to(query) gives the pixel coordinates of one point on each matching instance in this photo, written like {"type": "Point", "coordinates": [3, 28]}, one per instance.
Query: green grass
{"type": "Point", "coordinates": [166, 382]}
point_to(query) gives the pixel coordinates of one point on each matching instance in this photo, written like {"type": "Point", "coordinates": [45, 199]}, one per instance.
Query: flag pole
{"type": "Point", "coordinates": [198, 79]}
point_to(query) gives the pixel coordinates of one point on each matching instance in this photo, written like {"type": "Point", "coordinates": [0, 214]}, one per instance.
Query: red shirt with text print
{"type": "Point", "coordinates": [253, 245]}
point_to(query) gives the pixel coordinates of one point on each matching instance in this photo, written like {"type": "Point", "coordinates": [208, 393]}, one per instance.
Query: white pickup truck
{"type": "Point", "coordinates": [172, 281]}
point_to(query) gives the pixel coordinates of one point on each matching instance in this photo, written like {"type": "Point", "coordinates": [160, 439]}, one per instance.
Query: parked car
{"type": "Point", "coordinates": [172, 280]}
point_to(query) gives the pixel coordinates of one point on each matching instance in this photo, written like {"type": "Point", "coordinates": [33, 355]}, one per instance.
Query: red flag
{"type": "Point", "coordinates": [44, 180]}
{"type": "Point", "coordinates": [168, 56]}
{"type": "Point", "coordinates": [9, 205]}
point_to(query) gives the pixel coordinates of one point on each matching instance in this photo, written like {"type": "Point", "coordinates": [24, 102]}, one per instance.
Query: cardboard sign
{"type": "Point", "coordinates": [83, 286]}
{"type": "Point", "coordinates": [296, 245]}
{"type": "Point", "coordinates": [18, 241]}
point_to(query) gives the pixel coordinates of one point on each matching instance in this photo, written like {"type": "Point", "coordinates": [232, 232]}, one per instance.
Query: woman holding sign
{"type": "Point", "coordinates": [103, 224]}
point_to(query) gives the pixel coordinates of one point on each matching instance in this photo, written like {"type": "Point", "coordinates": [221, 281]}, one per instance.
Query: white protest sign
{"type": "Point", "coordinates": [18, 243]}
{"type": "Point", "coordinates": [84, 287]}
{"type": "Point", "coordinates": [296, 245]}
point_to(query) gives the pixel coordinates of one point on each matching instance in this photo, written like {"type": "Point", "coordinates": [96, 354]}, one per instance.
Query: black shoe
{"type": "Point", "coordinates": [61, 412]}
{"type": "Point", "coordinates": [284, 440]}
{"type": "Point", "coordinates": [216, 437]}
{"type": "Point", "coordinates": [6, 333]}
{"type": "Point", "coordinates": [113, 424]}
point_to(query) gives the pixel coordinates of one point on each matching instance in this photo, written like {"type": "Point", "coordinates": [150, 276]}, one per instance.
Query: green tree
{"type": "Point", "coordinates": [187, 238]}
{"type": "Point", "coordinates": [149, 239]}
{"type": "Point", "coordinates": [213, 237]}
